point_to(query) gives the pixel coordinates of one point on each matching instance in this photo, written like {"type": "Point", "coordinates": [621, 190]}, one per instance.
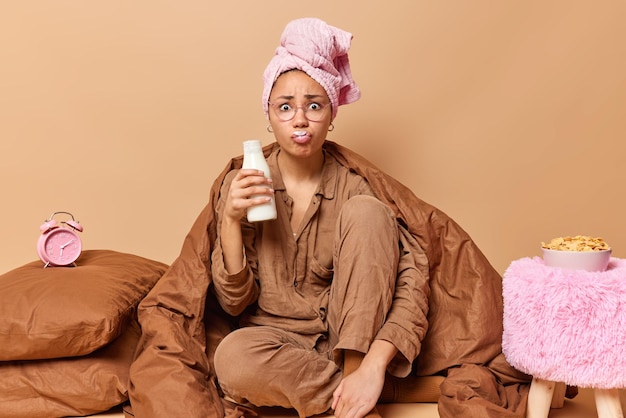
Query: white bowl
{"type": "Point", "coordinates": [577, 260]}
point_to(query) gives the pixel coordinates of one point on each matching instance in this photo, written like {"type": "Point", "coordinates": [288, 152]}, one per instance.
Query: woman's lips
{"type": "Point", "coordinates": [301, 137]}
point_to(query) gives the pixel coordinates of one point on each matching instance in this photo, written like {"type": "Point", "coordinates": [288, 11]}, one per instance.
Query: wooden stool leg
{"type": "Point", "coordinates": [558, 397]}
{"type": "Point", "coordinates": [608, 403]}
{"type": "Point", "coordinates": [540, 398]}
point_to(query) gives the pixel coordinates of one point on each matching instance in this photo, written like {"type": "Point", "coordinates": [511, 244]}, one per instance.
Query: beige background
{"type": "Point", "coordinates": [509, 116]}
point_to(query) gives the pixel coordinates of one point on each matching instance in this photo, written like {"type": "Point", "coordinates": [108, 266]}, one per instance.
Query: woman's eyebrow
{"type": "Point", "coordinates": [306, 96]}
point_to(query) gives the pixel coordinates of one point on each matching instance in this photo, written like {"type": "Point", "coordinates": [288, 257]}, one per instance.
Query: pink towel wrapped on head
{"type": "Point", "coordinates": [321, 51]}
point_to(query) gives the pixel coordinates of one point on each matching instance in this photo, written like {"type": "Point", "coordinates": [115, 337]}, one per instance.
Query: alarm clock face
{"type": "Point", "coordinates": [60, 247]}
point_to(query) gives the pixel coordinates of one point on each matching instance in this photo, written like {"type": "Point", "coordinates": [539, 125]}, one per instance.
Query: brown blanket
{"type": "Point", "coordinates": [182, 324]}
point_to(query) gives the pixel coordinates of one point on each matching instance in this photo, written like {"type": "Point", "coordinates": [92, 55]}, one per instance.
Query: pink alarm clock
{"type": "Point", "coordinates": [59, 243]}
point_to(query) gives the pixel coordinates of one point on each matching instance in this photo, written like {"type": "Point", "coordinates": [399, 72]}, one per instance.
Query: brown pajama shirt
{"type": "Point", "coordinates": [309, 294]}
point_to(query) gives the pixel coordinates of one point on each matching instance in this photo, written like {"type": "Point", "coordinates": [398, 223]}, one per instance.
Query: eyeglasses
{"type": "Point", "coordinates": [313, 111]}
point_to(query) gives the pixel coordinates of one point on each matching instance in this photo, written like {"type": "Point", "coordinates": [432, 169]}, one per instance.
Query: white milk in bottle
{"type": "Point", "coordinates": [253, 158]}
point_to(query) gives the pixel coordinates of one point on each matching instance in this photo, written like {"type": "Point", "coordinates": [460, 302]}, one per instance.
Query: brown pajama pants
{"type": "Point", "coordinates": [268, 366]}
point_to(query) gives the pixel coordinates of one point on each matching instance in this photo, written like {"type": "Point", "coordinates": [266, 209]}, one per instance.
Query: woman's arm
{"type": "Point", "coordinates": [233, 279]}
{"type": "Point", "coordinates": [231, 241]}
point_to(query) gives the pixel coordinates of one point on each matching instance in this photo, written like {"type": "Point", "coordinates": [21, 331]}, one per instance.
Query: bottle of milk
{"type": "Point", "coordinates": [253, 158]}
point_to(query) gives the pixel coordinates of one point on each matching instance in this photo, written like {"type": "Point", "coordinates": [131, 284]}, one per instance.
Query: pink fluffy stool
{"type": "Point", "coordinates": [566, 327]}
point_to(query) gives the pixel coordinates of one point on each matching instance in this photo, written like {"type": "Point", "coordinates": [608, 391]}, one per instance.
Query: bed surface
{"type": "Point", "coordinates": [583, 406]}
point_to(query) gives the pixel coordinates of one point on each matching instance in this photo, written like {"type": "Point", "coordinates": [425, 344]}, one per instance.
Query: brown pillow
{"type": "Point", "coordinates": [73, 386]}
{"type": "Point", "coordinates": [71, 311]}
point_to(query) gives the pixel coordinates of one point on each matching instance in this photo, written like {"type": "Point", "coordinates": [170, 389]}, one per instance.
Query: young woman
{"type": "Point", "coordinates": [315, 286]}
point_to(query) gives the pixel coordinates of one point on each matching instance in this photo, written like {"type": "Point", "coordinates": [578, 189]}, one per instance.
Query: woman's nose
{"type": "Point", "coordinates": [300, 119]}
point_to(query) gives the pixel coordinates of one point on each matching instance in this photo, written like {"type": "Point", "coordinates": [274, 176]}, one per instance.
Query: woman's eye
{"type": "Point", "coordinates": [284, 108]}
{"type": "Point", "coordinates": [315, 106]}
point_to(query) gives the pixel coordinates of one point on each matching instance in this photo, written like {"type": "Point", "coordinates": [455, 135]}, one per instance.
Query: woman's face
{"type": "Point", "coordinates": [303, 135]}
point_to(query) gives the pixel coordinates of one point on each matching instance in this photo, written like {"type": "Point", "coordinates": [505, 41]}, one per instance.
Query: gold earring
{"type": "Point", "coordinates": [268, 128]}
{"type": "Point", "coordinates": [331, 127]}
